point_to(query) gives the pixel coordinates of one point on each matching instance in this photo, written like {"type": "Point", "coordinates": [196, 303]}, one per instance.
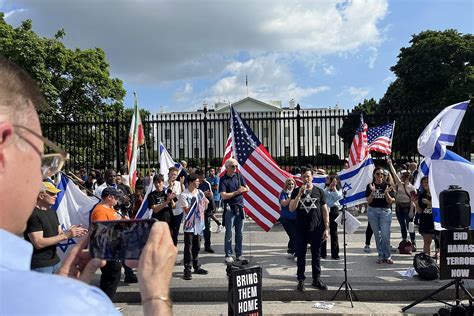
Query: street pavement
{"type": "Point", "coordinates": [372, 283]}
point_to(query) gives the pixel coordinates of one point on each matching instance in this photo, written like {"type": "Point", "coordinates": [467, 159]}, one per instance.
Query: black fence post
{"type": "Point", "coordinates": [298, 134]}
{"type": "Point", "coordinates": [117, 139]}
{"type": "Point", "coordinates": [206, 142]}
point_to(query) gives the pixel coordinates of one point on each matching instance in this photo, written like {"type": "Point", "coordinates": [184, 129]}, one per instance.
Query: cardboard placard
{"type": "Point", "coordinates": [247, 291]}
{"type": "Point", "coordinates": [456, 254]}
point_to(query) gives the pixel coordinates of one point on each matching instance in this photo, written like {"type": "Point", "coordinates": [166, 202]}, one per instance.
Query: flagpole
{"type": "Point", "coordinates": [80, 185]}
{"type": "Point", "coordinates": [144, 140]}
{"type": "Point", "coordinates": [391, 138]}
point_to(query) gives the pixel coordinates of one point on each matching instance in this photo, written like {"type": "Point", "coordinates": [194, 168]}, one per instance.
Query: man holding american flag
{"type": "Point", "coordinates": [232, 186]}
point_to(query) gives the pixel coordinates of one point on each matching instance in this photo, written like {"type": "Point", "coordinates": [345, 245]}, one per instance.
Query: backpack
{"type": "Point", "coordinates": [405, 247]}
{"type": "Point", "coordinates": [426, 267]}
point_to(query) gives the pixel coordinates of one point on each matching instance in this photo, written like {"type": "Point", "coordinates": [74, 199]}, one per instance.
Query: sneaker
{"type": "Point", "coordinates": [187, 274]}
{"type": "Point", "coordinates": [131, 278]}
{"type": "Point", "coordinates": [300, 286]}
{"type": "Point", "coordinates": [367, 248]}
{"type": "Point", "coordinates": [218, 229]}
{"type": "Point", "coordinates": [119, 309]}
{"type": "Point", "coordinates": [296, 259]}
{"type": "Point", "coordinates": [319, 285]}
{"type": "Point", "coordinates": [229, 260]}
{"type": "Point", "coordinates": [200, 271]}
{"type": "Point", "coordinates": [242, 259]}
{"type": "Point", "coordinates": [209, 250]}
{"type": "Point", "coordinates": [389, 261]}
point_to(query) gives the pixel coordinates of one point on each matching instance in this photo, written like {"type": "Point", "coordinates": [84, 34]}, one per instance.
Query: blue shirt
{"type": "Point", "coordinates": [333, 197]}
{"type": "Point", "coordinates": [285, 210]}
{"type": "Point", "coordinates": [232, 184]}
{"type": "Point", "coordinates": [214, 181]}
{"type": "Point", "coordinates": [26, 292]}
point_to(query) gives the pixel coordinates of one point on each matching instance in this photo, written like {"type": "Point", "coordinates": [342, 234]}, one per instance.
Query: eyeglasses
{"type": "Point", "coordinates": [51, 163]}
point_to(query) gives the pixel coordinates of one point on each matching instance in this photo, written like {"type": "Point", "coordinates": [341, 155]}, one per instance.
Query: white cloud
{"type": "Point", "coordinates": [12, 12]}
{"type": "Point", "coordinates": [156, 41]}
{"type": "Point", "coordinates": [357, 94]}
{"type": "Point", "coordinates": [328, 70]}
{"type": "Point", "coordinates": [183, 95]}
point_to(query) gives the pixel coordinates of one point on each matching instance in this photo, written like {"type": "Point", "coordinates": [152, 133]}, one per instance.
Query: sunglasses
{"type": "Point", "coordinates": [51, 163]}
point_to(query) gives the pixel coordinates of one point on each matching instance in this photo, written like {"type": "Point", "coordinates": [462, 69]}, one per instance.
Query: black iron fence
{"type": "Point", "coordinates": [294, 137]}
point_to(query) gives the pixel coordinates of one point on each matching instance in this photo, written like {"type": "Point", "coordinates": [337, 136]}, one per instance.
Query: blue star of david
{"type": "Point", "coordinates": [63, 246]}
{"type": "Point", "coordinates": [346, 186]}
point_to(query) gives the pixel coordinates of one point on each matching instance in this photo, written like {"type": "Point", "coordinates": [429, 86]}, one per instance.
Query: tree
{"type": "Point", "coordinates": [352, 121]}
{"type": "Point", "coordinates": [435, 71]}
{"type": "Point", "coordinates": [75, 83]}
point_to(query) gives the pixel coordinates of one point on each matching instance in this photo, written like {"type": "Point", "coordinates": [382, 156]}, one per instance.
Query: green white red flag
{"type": "Point", "coordinates": [136, 137]}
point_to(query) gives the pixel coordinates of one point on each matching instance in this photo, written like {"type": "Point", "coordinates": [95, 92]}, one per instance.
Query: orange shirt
{"type": "Point", "coordinates": [104, 213]}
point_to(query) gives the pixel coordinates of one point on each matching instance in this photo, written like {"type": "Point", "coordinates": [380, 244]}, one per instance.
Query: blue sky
{"type": "Point", "coordinates": [178, 54]}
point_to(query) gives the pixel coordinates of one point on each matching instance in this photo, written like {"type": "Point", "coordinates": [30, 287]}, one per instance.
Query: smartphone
{"type": "Point", "coordinates": [119, 240]}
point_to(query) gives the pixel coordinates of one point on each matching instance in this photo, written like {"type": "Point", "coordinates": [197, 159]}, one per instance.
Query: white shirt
{"type": "Point", "coordinates": [176, 188]}
{"type": "Point", "coordinates": [184, 201]}
{"type": "Point", "coordinates": [26, 292]}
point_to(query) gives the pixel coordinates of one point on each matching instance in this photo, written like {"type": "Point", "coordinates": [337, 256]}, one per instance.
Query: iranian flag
{"type": "Point", "coordinates": [136, 138]}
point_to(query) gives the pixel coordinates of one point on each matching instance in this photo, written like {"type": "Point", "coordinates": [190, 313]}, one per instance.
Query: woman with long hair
{"type": "Point", "coordinates": [426, 225]}
{"type": "Point", "coordinates": [287, 218]}
{"type": "Point", "coordinates": [380, 214]}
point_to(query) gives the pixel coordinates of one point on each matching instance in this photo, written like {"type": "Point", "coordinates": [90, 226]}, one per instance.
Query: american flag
{"type": "Point", "coordinates": [227, 154]}
{"type": "Point", "coordinates": [380, 138]}
{"type": "Point", "coordinates": [359, 150]}
{"type": "Point", "coordinates": [261, 173]}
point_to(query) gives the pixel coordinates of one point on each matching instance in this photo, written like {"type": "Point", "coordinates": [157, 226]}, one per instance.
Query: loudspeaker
{"type": "Point", "coordinates": [455, 208]}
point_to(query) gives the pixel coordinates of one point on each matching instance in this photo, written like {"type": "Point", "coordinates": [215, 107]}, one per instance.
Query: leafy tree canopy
{"type": "Point", "coordinates": [76, 83]}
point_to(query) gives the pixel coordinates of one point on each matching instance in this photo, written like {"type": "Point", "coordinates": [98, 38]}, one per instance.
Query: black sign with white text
{"type": "Point", "coordinates": [456, 254]}
{"type": "Point", "coordinates": [247, 291]}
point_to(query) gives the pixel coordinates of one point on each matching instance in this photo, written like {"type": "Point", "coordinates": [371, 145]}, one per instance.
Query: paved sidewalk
{"type": "Point", "coordinates": [371, 282]}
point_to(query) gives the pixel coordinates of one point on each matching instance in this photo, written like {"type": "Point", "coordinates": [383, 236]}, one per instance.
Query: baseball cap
{"type": "Point", "coordinates": [111, 191]}
{"type": "Point", "coordinates": [48, 186]}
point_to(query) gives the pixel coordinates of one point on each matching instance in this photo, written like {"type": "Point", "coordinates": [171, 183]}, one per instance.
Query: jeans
{"type": "Point", "coordinates": [110, 278]}
{"type": "Point", "coordinates": [207, 230]}
{"type": "Point", "coordinates": [233, 218]}
{"type": "Point", "coordinates": [49, 270]}
{"type": "Point", "coordinates": [192, 245]}
{"type": "Point", "coordinates": [290, 228]}
{"type": "Point", "coordinates": [403, 220]}
{"type": "Point", "coordinates": [333, 234]}
{"type": "Point", "coordinates": [177, 219]}
{"type": "Point", "coordinates": [380, 220]}
{"type": "Point", "coordinates": [314, 238]}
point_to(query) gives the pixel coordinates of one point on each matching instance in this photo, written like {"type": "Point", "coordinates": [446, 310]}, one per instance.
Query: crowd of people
{"type": "Point", "coordinates": [183, 200]}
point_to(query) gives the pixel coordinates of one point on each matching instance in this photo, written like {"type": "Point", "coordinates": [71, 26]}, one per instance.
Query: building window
{"type": "Point", "coordinates": [287, 131]}
{"type": "Point", "coordinates": [181, 133]}
{"type": "Point", "coordinates": [211, 152]}
{"type": "Point", "coordinates": [210, 133]}
{"type": "Point", "coordinates": [317, 131]}
{"type": "Point", "coordinates": [302, 131]}
{"type": "Point", "coordinates": [287, 151]}
{"type": "Point", "coordinates": [196, 152]}
{"type": "Point", "coordinates": [167, 134]}
{"type": "Point", "coordinates": [332, 130]}
{"type": "Point", "coordinates": [181, 153]}
{"type": "Point", "coordinates": [333, 149]}
{"type": "Point", "coordinates": [317, 149]}
{"type": "Point", "coordinates": [265, 132]}
{"type": "Point", "coordinates": [302, 151]}
{"type": "Point", "coordinates": [196, 133]}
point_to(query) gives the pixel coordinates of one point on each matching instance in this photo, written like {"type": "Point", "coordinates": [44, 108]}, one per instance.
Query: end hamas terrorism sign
{"type": "Point", "coordinates": [457, 254]}
{"type": "Point", "coordinates": [247, 291]}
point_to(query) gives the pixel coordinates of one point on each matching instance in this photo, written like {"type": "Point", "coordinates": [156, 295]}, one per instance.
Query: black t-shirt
{"type": "Point", "coordinates": [309, 213]}
{"type": "Point", "coordinates": [158, 197]}
{"type": "Point", "coordinates": [206, 186]}
{"type": "Point", "coordinates": [231, 184]}
{"type": "Point", "coordinates": [46, 221]}
{"type": "Point", "coordinates": [379, 195]}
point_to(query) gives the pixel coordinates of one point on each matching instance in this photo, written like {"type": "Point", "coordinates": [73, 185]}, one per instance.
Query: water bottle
{"type": "Point", "coordinates": [411, 227]}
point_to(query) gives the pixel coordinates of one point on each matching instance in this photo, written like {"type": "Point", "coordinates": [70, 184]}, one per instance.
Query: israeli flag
{"type": "Point", "coordinates": [451, 170]}
{"type": "Point", "coordinates": [441, 131]}
{"type": "Point", "coordinates": [423, 171]}
{"type": "Point", "coordinates": [354, 181]}
{"type": "Point", "coordinates": [73, 207]}
{"type": "Point", "coordinates": [166, 162]}
{"type": "Point", "coordinates": [319, 180]}
{"type": "Point", "coordinates": [144, 212]}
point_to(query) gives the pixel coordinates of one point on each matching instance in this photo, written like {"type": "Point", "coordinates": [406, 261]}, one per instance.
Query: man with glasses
{"type": "Point", "coordinates": [231, 187]}
{"type": "Point", "coordinates": [44, 232]}
{"type": "Point", "coordinates": [23, 166]}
